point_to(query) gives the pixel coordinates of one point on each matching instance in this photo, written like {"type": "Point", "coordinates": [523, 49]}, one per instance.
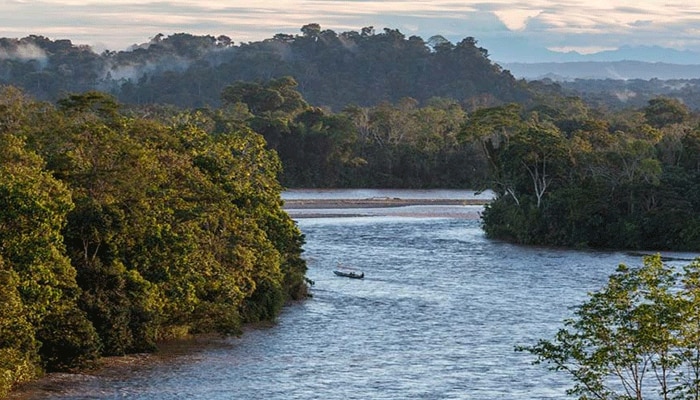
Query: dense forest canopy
{"type": "Point", "coordinates": [565, 173]}
{"type": "Point", "coordinates": [333, 70]}
{"type": "Point", "coordinates": [118, 230]}
{"type": "Point", "coordinates": [568, 176]}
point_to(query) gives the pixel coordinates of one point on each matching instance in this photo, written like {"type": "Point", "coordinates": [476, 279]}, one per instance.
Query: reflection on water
{"type": "Point", "coordinates": [436, 317]}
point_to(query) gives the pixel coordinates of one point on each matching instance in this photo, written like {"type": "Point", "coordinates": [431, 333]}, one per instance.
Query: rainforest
{"type": "Point", "coordinates": [141, 206]}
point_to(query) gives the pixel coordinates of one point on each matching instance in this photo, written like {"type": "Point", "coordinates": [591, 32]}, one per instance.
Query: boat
{"type": "Point", "coordinates": [350, 274]}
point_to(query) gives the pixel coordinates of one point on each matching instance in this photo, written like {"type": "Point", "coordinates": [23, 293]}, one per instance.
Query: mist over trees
{"type": "Point", "coordinates": [332, 70]}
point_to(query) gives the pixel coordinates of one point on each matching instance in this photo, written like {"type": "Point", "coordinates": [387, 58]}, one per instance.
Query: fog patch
{"type": "Point", "coordinates": [164, 54]}
{"type": "Point", "coordinates": [625, 95]}
{"type": "Point", "coordinates": [24, 52]}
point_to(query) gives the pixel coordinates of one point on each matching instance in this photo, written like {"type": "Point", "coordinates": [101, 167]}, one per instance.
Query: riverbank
{"type": "Point", "coordinates": [107, 368]}
{"type": "Point", "coordinates": [173, 355]}
{"type": "Point", "coordinates": [397, 207]}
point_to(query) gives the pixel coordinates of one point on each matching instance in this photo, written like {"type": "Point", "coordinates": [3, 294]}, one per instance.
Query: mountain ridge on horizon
{"type": "Point", "coordinates": [528, 54]}
{"type": "Point", "coordinates": [614, 70]}
{"type": "Point", "coordinates": [628, 62]}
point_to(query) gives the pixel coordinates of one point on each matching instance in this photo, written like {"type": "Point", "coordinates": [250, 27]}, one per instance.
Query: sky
{"type": "Point", "coordinates": [510, 29]}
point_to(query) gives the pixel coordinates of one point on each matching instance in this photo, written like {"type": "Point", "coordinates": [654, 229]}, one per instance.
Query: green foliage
{"type": "Point", "coordinates": [275, 95]}
{"type": "Point", "coordinates": [34, 207]}
{"type": "Point", "coordinates": [19, 361]}
{"type": "Point", "coordinates": [501, 219]}
{"type": "Point", "coordinates": [533, 162]}
{"type": "Point", "coordinates": [595, 185]}
{"type": "Point", "coordinates": [661, 112]}
{"type": "Point", "coordinates": [635, 338]}
{"type": "Point", "coordinates": [332, 69]}
{"type": "Point", "coordinates": [400, 145]}
{"type": "Point", "coordinates": [68, 339]}
{"type": "Point", "coordinates": [117, 231]}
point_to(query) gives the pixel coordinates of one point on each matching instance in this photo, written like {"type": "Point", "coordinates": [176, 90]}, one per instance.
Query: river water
{"type": "Point", "coordinates": [437, 316]}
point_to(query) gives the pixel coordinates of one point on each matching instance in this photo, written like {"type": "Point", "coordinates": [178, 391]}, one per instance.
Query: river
{"type": "Point", "coordinates": [437, 316]}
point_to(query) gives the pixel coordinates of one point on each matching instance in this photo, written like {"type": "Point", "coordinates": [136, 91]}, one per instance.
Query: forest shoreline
{"type": "Point", "coordinates": [176, 350]}
{"type": "Point", "coordinates": [115, 366]}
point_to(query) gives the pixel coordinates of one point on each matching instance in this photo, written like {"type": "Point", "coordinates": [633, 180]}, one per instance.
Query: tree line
{"type": "Point", "coordinates": [568, 177]}
{"type": "Point", "coordinates": [185, 70]}
{"type": "Point", "coordinates": [566, 174]}
{"type": "Point", "coordinates": [389, 145]}
{"type": "Point", "coordinates": [367, 67]}
{"type": "Point", "coordinates": [119, 228]}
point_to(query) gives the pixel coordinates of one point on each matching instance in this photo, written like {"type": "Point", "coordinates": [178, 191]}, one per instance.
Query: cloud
{"type": "Point", "coordinates": [516, 19]}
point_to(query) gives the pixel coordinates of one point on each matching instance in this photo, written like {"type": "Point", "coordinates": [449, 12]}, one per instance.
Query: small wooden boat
{"type": "Point", "coordinates": [350, 274]}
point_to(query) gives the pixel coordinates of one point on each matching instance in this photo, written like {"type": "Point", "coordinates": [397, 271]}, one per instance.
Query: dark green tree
{"type": "Point", "coordinates": [663, 111]}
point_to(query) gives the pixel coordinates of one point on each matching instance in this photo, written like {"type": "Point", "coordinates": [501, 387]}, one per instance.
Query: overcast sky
{"type": "Point", "coordinates": [501, 26]}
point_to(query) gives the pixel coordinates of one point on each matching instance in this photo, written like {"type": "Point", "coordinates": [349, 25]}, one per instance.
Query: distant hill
{"type": "Point", "coordinates": [334, 70]}
{"type": "Point", "coordinates": [568, 71]}
{"type": "Point", "coordinates": [517, 50]}
{"type": "Point", "coordinates": [617, 84]}
{"type": "Point", "coordinates": [650, 54]}
{"type": "Point", "coordinates": [633, 93]}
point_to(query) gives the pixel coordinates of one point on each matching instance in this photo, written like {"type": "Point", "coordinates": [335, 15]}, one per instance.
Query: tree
{"type": "Point", "coordinates": [275, 95]}
{"type": "Point", "coordinates": [34, 209]}
{"type": "Point", "coordinates": [492, 128]}
{"type": "Point", "coordinates": [663, 111]}
{"type": "Point", "coordinates": [636, 338]}
{"type": "Point", "coordinates": [19, 361]}
{"type": "Point", "coordinates": [539, 151]}
{"type": "Point", "coordinates": [311, 30]}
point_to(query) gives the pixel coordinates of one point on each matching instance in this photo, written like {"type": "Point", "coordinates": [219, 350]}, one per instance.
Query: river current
{"type": "Point", "coordinates": [437, 316]}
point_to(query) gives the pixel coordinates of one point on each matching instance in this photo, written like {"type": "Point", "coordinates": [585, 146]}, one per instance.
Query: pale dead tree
{"type": "Point", "coordinates": [540, 180]}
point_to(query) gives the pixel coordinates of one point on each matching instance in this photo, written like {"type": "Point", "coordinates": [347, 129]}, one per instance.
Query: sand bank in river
{"type": "Point", "coordinates": [397, 207]}
{"type": "Point", "coordinates": [377, 203]}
